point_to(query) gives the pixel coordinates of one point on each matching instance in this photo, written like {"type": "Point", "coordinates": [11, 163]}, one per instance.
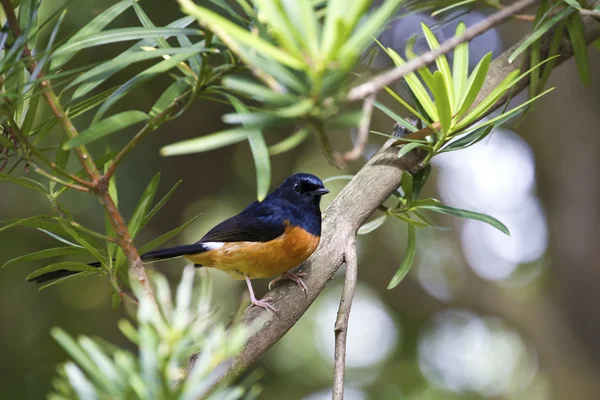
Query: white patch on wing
{"type": "Point", "coordinates": [213, 245]}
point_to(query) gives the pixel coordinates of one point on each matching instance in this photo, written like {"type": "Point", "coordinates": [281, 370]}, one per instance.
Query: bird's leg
{"type": "Point", "coordinates": [296, 278]}
{"type": "Point", "coordinates": [259, 303]}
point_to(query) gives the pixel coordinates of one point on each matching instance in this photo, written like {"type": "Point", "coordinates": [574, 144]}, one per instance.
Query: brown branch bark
{"type": "Point", "coordinates": [341, 322]}
{"type": "Point", "coordinates": [369, 188]}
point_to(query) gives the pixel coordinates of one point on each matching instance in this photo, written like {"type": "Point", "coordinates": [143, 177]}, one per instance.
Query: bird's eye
{"type": "Point", "coordinates": [297, 187]}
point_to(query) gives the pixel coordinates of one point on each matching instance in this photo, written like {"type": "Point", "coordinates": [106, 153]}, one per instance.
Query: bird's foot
{"type": "Point", "coordinates": [296, 278]}
{"type": "Point", "coordinates": [264, 303]}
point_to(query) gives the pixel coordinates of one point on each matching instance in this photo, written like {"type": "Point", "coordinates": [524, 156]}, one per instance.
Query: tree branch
{"type": "Point", "coordinates": [99, 186]}
{"type": "Point", "coordinates": [369, 188]}
{"type": "Point", "coordinates": [341, 322]}
{"type": "Point", "coordinates": [387, 78]}
{"type": "Point", "coordinates": [363, 132]}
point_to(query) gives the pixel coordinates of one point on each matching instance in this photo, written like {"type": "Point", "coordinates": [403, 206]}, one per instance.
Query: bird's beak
{"type": "Point", "coordinates": [319, 192]}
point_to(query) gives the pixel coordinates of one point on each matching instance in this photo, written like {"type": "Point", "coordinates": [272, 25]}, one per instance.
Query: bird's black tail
{"type": "Point", "coordinates": [151, 256]}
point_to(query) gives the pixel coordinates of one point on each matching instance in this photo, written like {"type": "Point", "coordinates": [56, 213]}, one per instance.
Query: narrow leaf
{"type": "Point", "coordinates": [290, 142]}
{"type": "Point", "coordinates": [226, 29]}
{"type": "Point", "coordinates": [372, 225]}
{"type": "Point", "coordinates": [408, 148]}
{"type": "Point", "coordinates": [206, 143]}
{"type": "Point", "coordinates": [442, 64]}
{"type": "Point", "coordinates": [457, 212]}
{"type": "Point", "coordinates": [460, 67]}
{"type": "Point", "coordinates": [580, 51]}
{"type": "Point", "coordinates": [260, 153]}
{"type": "Point", "coordinates": [120, 35]}
{"type": "Point", "coordinates": [408, 260]}
{"type": "Point", "coordinates": [165, 237]}
{"type": "Point", "coordinates": [96, 25]}
{"type": "Point", "coordinates": [47, 253]}
{"type": "Point", "coordinates": [106, 127]}
{"type": "Point", "coordinates": [474, 84]}
{"type": "Point", "coordinates": [442, 101]}
{"type": "Point", "coordinates": [539, 31]}
{"type": "Point", "coordinates": [395, 117]}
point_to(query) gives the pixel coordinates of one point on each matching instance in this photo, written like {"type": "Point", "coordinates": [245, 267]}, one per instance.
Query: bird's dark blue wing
{"type": "Point", "coordinates": [259, 222]}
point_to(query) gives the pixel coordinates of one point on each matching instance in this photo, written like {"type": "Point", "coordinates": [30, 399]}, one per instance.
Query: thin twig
{"type": "Point", "coordinates": [591, 13]}
{"type": "Point", "coordinates": [149, 127]}
{"type": "Point", "coordinates": [363, 132]}
{"type": "Point", "coordinates": [377, 83]}
{"type": "Point", "coordinates": [22, 138]}
{"type": "Point", "coordinates": [341, 322]}
{"type": "Point", "coordinates": [99, 186]}
{"type": "Point", "coordinates": [53, 178]}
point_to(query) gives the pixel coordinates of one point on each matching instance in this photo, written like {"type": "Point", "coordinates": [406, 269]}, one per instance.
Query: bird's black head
{"type": "Point", "coordinates": [302, 188]}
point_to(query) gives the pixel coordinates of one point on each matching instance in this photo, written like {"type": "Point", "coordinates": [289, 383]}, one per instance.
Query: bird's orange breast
{"type": "Point", "coordinates": [261, 259]}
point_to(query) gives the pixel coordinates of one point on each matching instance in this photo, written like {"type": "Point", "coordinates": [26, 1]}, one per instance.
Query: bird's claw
{"type": "Point", "coordinates": [296, 278]}
{"type": "Point", "coordinates": [264, 303]}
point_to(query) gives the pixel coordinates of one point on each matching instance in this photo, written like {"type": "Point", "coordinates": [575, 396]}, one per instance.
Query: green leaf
{"type": "Point", "coordinates": [165, 237]}
{"type": "Point", "coordinates": [442, 64]}
{"type": "Point", "coordinates": [91, 79]}
{"type": "Point", "coordinates": [406, 183]}
{"type": "Point", "coordinates": [395, 116]}
{"type": "Point", "coordinates": [338, 178]}
{"type": "Point", "coordinates": [85, 88]}
{"type": "Point", "coordinates": [573, 3]}
{"type": "Point", "coordinates": [59, 238]}
{"type": "Point", "coordinates": [137, 220]}
{"type": "Point", "coordinates": [176, 89]}
{"type": "Point", "coordinates": [25, 182]}
{"type": "Point", "coordinates": [580, 51]}
{"type": "Point", "coordinates": [416, 86]}
{"type": "Point", "coordinates": [479, 110]}
{"type": "Point", "coordinates": [69, 266]}
{"type": "Point", "coordinates": [539, 31]}
{"type": "Point", "coordinates": [409, 258]}
{"type": "Point", "coordinates": [106, 127]}
{"type": "Point", "coordinates": [160, 204]}
{"type": "Point", "coordinates": [142, 77]}
{"type": "Point", "coordinates": [405, 149]}
{"type": "Point", "coordinates": [536, 51]}
{"type": "Point", "coordinates": [206, 143]}
{"type": "Point", "coordinates": [280, 27]}
{"type": "Point", "coordinates": [405, 104]}
{"type": "Point", "coordinates": [290, 142]}
{"type": "Point", "coordinates": [419, 180]}
{"type": "Point", "coordinates": [78, 355]}
{"type": "Point", "coordinates": [460, 66]}
{"type": "Point", "coordinates": [96, 25]}
{"type": "Point", "coordinates": [457, 212]}
{"type": "Point", "coordinates": [371, 225]}
{"type": "Point", "coordinates": [47, 253]}
{"type": "Point", "coordinates": [472, 137]}
{"type": "Point", "coordinates": [226, 30]}
{"type": "Point", "coordinates": [362, 37]}
{"type": "Point", "coordinates": [474, 84]}
{"type": "Point", "coordinates": [257, 91]}
{"type": "Point", "coordinates": [452, 6]}
{"type": "Point", "coordinates": [120, 35]}
{"type": "Point", "coordinates": [260, 153]}
{"type": "Point", "coordinates": [552, 51]}
{"type": "Point", "coordinates": [442, 101]}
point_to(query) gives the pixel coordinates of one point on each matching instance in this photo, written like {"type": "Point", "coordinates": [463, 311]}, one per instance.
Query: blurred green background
{"type": "Point", "coordinates": [479, 316]}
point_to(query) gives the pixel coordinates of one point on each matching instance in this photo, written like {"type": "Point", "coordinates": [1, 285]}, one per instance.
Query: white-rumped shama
{"type": "Point", "coordinates": [266, 239]}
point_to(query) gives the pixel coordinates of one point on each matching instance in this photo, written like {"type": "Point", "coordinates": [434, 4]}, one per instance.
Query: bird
{"type": "Point", "coordinates": [266, 239]}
